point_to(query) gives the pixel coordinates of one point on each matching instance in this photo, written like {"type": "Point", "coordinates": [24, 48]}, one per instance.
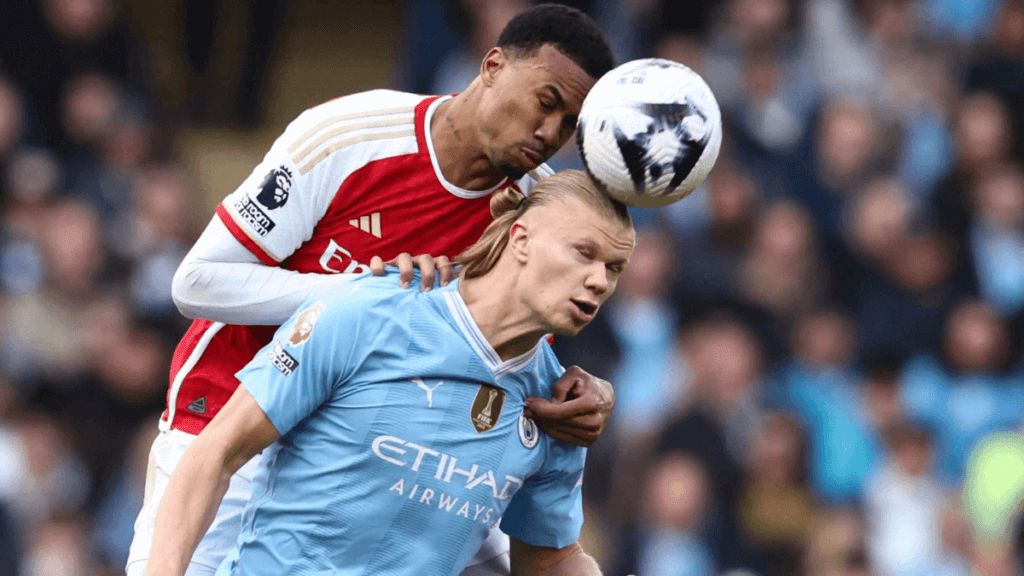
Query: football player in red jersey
{"type": "Point", "coordinates": [375, 174]}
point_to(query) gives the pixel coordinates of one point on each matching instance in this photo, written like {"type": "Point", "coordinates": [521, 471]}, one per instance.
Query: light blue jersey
{"type": "Point", "coordinates": [403, 441]}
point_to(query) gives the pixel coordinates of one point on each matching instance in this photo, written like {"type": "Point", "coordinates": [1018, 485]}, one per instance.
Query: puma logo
{"type": "Point", "coordinates": [427, 389]}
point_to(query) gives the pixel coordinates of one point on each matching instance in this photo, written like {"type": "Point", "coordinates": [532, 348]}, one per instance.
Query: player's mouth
{"type": "Point", "coordinates": [533, 158]}
{"type": "Point", "coordinates": [584, 310]}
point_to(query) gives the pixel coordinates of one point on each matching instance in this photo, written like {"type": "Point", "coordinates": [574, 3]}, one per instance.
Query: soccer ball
{"type": "Point", "coordinates": [649, 132]}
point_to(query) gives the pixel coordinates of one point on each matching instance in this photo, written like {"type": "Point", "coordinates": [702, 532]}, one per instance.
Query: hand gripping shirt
{"type": "Point", "coordinates": [349, 179]}
{"type": "Point", "coordinates": [403, 441]}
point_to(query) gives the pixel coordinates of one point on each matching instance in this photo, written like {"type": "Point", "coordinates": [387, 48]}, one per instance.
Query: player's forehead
{"type": "Point", "coordinates": [576, 221]}
{"type": "Point", "coordinates": [550, 69]}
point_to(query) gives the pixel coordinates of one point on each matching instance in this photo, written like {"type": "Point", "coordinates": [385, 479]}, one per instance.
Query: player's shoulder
{"type": "Point", "coordinates": [380, 102]}
{"type": "Point", "coordinates": [377, 123]}
{"type": "Point", "coordinates": [380, 297]}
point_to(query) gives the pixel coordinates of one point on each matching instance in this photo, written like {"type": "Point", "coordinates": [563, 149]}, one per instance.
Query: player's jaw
{"type": "Point", "coordinates": [519, 158]}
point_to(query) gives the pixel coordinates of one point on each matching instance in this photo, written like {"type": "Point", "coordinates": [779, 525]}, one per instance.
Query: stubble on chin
{"type": "Point", "coordinates": [511, 172]}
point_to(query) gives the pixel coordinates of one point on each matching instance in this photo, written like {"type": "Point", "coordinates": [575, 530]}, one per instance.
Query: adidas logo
{"type": "Point", "coordinates": [198, 405]}
{"type": "Point", "coordinates": [369, 224]}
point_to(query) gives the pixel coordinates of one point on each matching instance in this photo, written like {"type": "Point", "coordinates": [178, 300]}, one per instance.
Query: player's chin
{"type": "Point", "coordinates": [569, 327]}
{"type": "Point", "coordinates": [512, 172]}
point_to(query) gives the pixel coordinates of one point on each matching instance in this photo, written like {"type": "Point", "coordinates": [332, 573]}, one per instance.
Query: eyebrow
{"type": "Point", "coordinates": [594, 245]}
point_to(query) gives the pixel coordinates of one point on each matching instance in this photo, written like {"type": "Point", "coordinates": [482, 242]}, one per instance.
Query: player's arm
{"type": "Point", "coordinates": [528, 560]}
{"type": "Point", "coordinates": [579, 408]}
{"type": "Point", "coordinates": [238, 432]}
{"type": "Point", "coordinates": [221, 280]}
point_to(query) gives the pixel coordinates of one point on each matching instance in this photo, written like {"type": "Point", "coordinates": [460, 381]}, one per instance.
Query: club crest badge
{"type": "Point", "coordinates": [304, 323]}
{"type": "Point", "coordinates": [486, 409]}
{"type": "Point", "coordinates": [529, 435]}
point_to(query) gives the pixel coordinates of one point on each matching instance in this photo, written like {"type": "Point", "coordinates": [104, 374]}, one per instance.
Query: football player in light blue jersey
{"type": "Point", "coordinates": [395, 418]}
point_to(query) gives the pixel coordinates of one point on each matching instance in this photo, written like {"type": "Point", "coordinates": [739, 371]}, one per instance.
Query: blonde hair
{"type": "Point", "coordinates": [507, 206]}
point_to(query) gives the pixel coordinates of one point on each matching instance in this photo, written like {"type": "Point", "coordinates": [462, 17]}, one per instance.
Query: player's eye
{"type": "Point", "coordinates": [546, 105]}
{"type": "Point", "coordinates": [586, 252]}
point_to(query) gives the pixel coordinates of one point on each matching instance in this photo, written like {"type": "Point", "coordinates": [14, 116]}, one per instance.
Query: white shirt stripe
{"type": "Point", "coordinates": [464, 319]}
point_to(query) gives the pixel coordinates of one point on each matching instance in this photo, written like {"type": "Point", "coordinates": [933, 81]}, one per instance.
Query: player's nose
{"type": "Point", "coordinates": [548, 133]}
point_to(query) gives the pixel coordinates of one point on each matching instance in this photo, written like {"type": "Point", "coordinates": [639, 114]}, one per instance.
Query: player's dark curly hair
{"type": "Point", "coordinates": [572, 32]}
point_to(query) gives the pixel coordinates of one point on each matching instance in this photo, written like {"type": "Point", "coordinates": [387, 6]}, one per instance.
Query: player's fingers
{"type": "Point", "coordinates": [377, 266]}
{"type": "Point", "coordinates": [564, 385]}
{"type": "Point", "coordinates": [425, 262]}
{"type": "Point", "coordinates": [571, 436]}
{"type": "Point", "coordinates": [542, 408]}
{"type": "Point", "coordinates": [405, 268]}
{"type": "Point", "coordinates": [445, 268]}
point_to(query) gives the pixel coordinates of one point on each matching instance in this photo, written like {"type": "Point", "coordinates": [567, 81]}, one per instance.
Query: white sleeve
{"type": "Point", "coordinates": [221, 280]}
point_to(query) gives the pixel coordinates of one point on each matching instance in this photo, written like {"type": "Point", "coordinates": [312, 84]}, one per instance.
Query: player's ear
{"type": "Point", "coordinates": [493, 62]}
{"type": "Point", "coordinates": [519, 237]}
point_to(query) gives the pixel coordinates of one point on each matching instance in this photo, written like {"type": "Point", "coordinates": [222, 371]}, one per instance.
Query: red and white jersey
{"type": "Point", "coordinates": [350, 179]}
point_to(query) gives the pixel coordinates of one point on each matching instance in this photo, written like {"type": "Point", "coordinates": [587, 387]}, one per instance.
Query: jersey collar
{"type": "Point", "coordinates": [429, 139]}
{"type": "Point", "coordinates": [467, 325]}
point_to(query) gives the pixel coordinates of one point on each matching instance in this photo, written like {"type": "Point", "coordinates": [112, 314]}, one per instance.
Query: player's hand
{"type": "Point", "coordinates": [430, 267]}
{"type": "Point", "coordinates": [579, 409]}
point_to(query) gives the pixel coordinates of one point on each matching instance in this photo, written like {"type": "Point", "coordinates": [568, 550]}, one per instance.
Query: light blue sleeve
{"type": "Point", "coordinates": [310, 357]}
{"type": "Point", "coordinates": [548, 509]}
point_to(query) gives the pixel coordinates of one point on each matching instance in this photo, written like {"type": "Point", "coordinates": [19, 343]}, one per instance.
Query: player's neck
{"type": "Point", "coordinates": [457, 145]}
{"type": "Point", "coordinates": [510, 328]}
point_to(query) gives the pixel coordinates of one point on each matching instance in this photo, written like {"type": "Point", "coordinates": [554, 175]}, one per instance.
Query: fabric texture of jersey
{"type": "Point", "coordinates": [350, 179]}
{"type": "Point", "coordinates": [403, 441]}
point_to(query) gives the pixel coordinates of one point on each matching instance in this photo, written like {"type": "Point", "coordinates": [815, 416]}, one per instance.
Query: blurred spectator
{"type": "Point", "coordinates": [105, 150]}
{"type": "Point", "coordinates": [53, 40]}
{"type": "Point", "coordinates": [34, 177]}
{"type": "Point", "coordinates": [460, 66]}
{"type": "Point", "coordinates": [777, 509]}
{"type": "Point", "coordinates": [996, 238]}
{"type": "Point", "coordinates": [963, 21]}
{"type": "Point", "coordinates": [837, 546]}
{"type": "Point", "coordinates": [904, 501]}
{"type": "Point", "coordinates": [998, 66]}
{"type": "Point", "coordinates": [13, 119]}
{"type": "Point", "coordinates": [964, 393]}
{"type": "Point", "coordinates": [821, 386]}
{"type": "Point", "coordinates": [154, 234]}
{"type": "Point", "coordinates": [708, 265]}
{"type": "Point", "coordinates": [745, 28]}
{"type": "Point", "coordinates": [45, 329]}
{"type": "Point", "coordinates": [726, 361]}
{"type": "Point", "coordinates": [983, 139]}
{"type": "Point", "coordinates": [59, 548]}
{"type": "Point", "coordinates": [52, 479]}
{"type": "Point", "coordinates": [899, 281]}
{"type": "Point", "coordinates": [781, 274]}
{"type": "Point", "coordinates": [675, 502]}
{"type": "Point", "coordinates": [122, 498]}
{"type": "Point", "coordinates": [847, 150]}
{"type": "Point", "coordinates": [125, 385]}
{"type": "Point", "coordinates": [721, 420]}
{"type": "Point", "coordinates": [431, 29]}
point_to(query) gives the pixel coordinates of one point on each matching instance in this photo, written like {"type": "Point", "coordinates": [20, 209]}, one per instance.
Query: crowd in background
{"type": "Point", "coordinates": [805, 351]}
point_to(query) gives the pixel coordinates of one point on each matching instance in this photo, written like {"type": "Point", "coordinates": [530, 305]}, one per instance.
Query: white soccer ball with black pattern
{"type": "Point", "coordinates": [649, 132]}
